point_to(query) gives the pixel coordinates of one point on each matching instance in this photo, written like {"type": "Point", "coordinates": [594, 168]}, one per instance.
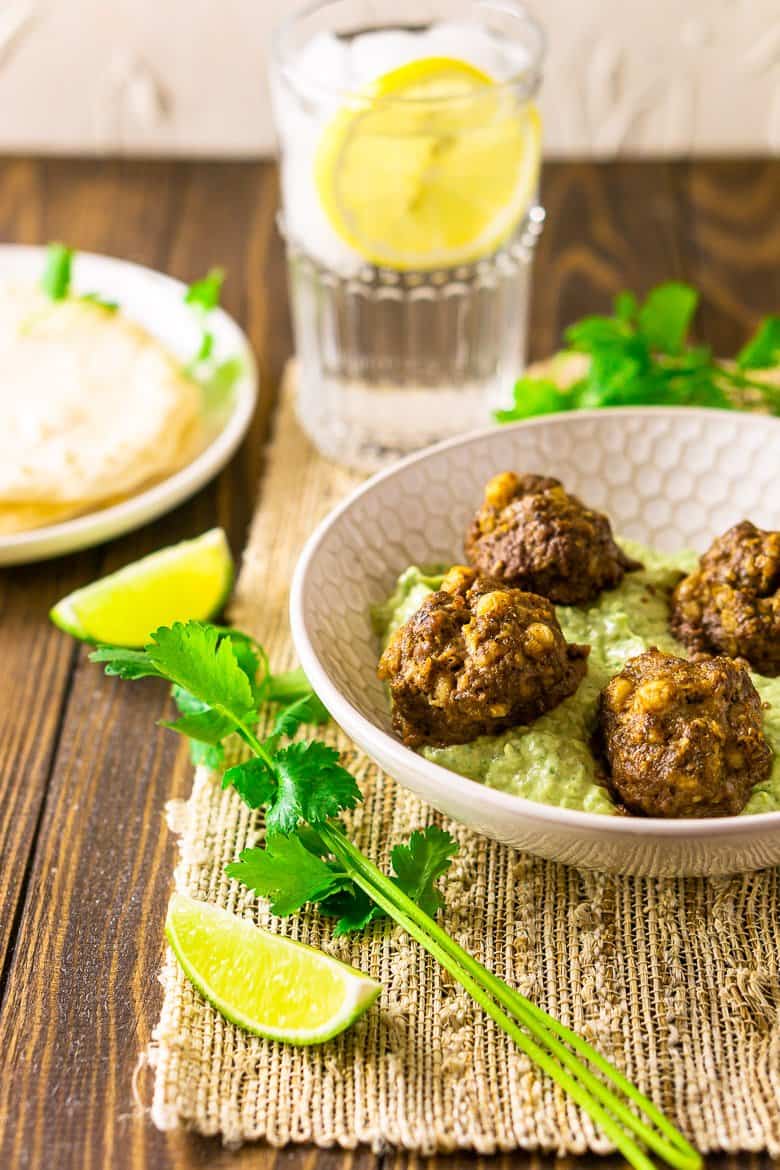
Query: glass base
{"type": "Point", "coordinates": [393, 361]}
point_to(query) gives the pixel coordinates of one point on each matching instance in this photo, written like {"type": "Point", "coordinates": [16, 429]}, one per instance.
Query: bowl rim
{"type": "Point", "coordinates": [402, 758]}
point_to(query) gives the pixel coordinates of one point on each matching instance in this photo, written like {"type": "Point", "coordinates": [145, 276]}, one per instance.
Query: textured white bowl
{"type": "Point", "coordinates": [671, 478]}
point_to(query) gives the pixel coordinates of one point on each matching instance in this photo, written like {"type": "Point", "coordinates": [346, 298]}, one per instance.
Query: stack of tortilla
{"type": "Point", "coordinates": [93, 409]}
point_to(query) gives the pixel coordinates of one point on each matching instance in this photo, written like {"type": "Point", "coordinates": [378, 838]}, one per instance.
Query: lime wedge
{"type": "Point", "coordinates": [281, 989]}
{"type": "Point", "coordinates": [186, 581]}
{"type": "Point", "coordinates": [432, 165]}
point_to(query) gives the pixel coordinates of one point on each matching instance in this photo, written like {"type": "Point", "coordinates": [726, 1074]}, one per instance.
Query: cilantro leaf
{"type": "Point", "coordinates": [353, 909]}
{"type": "Point", "coordinates": [312, 786]}
{"type": "Point", "coordinates": [57, 273]}
{"type": "Point", "coordinates": [288, 686]}
{"type": "Point", "coordinates": [626, 307]}
{"type": "Point", "coordinates": [666, 315]}
{"type": "Point", "coordinates": [762, 352]}
{"type": "Point", "coordinates": [287, 873]}
{"type": "Point", "coordinates": [640, 356]}
{"type": "Point", "coordinates": [128, 664]}
{"type": "Point", "coordinates": [93, 298]}
{"type": "Point", "coordinates": [205, 293]}
{"type": "Point", "coordinates": [207, 726]}
{"type": "Point", "coordinates": [206, 347]}
{"type": "Point", "coordinates": [207, 755]}
{"type": "Point", "coordinates": [534, 396]}
{"type": "Point", "coordinates": [592, 332]}
{"type": "Point", "coordinates": [200, 659]}
{"type": "Point", "coordinates": [417, 866]}
{"type": "Point", "coordinates": [253, 781]}
{"type": "Point", "coordinates": [217, 384]}
{"type": "Point", "coordinates": [308, 709]}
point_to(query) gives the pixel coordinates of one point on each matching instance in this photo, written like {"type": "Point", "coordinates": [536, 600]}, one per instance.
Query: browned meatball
{"type": "Point", "coordinates": [683, 739]}
{"type": "Point", "coordinates": [730, 604]}
{"type": "Point", "coordinates": [532, 534]}
{"type": "Point", "coordinates": [477, 657]}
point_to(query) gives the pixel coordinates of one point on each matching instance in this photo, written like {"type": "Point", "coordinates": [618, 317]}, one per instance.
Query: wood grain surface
{"type": "Point", "coordinates": [85, 858]}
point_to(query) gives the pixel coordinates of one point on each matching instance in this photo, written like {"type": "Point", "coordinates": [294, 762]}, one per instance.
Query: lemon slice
{"type": "Point", "coordinates": [190, 580]}
{"type": "Point", "coordinates": [433, 165]}
{"type": "Point", "coordinates": [281, 989]}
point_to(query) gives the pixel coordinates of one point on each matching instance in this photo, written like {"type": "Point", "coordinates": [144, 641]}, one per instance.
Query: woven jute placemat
{"type": "Point", "coordinates": [675, 981]}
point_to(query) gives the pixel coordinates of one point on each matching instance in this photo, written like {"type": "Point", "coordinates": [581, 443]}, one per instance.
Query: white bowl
{"type": "Point", "coordinates": [672, 478]}
{"type": "Point", "coordinates": [157, 302]}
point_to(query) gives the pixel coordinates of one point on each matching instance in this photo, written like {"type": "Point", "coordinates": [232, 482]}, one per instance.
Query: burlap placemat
{"type": "Point", "coordinates": [675, 981]}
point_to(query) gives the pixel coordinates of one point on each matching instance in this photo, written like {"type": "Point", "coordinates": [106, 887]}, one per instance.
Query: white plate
{"type": "Point", "coordinates": [156, 302]}
{"type": "Point", "coordinates": [671, 478]}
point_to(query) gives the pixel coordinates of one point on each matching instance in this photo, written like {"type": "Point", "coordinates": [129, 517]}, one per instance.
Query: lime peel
{"type": "Point", "coordinates": [267, 984]}
{"type": "Point", "coordinates": [189, 580]}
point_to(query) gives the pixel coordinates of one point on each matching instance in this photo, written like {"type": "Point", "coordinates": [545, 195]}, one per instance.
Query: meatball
{"type": "Point", "coordinates": [477, 657]}
{"type": "Point", "coordinates": [532, 534]}
{"type": "Point", "coordinates": [730, 604]}
{"type": "Point", "coordinates": [682, 739]}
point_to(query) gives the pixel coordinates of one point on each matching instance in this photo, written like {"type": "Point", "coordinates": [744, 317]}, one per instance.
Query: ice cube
{"type": "Point", "coordinates": [473, 43]}
{"type": "Point", "coordinates": [324, 60]}
{"type": "Point", "coordinates": [373, 54]}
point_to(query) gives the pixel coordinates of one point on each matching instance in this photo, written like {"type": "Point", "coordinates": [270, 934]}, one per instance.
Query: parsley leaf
{"type": "Point", "coordinates": [287, 873]}
{"type": "Point", "coordinates": [762, 352]}
{"type": "Point", "coordinates": [312, 786]}
{"type": "Point", "coordinates": [57, 273]}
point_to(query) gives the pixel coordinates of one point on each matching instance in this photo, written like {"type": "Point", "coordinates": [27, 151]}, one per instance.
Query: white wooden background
{"type": "Point", "coordinates": [187, 77]}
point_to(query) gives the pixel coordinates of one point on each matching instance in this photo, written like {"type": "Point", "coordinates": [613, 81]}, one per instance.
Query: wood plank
{"type": "Point", "coordinates": [732, 247]}
{"type": "Point", "coordinates": [37, 660]}
{"type": "Point", "coordinates": [608, 228]}
{"type": "Point", "coordinates": [82, 994]}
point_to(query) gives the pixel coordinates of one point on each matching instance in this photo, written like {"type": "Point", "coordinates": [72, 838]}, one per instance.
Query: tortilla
{"type": "Point", "coordinates": [93, 409]}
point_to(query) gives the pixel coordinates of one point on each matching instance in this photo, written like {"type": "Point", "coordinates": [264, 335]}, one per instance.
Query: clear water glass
{"type": "Point", "coordinates": [392, 359]}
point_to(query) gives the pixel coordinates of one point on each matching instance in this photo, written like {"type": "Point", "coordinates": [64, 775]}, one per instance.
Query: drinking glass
{"type": "Point", "coordinates": [399, 347]}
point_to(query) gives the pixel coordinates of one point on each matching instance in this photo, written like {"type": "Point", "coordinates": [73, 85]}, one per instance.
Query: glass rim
{"type": "Point", "coordinates": [524, 83]}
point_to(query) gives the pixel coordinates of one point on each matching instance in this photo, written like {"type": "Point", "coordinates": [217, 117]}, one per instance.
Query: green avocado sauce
{"type": "Point", "coordinates": [550, 761]}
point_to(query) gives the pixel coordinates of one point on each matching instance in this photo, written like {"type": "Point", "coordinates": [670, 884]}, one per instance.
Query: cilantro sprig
{"type": "Point", "coordinates": [58, 274]}
{"type": "Point", "coordinates": [221, 679]}
{"type": "Point", "coordinates": [642, 356]}
{"type": "Point", "coordinates": [216, 378]}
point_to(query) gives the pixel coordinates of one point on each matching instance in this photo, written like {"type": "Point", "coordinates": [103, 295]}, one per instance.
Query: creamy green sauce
{"type": "Point", "coordinates": [550, 760]}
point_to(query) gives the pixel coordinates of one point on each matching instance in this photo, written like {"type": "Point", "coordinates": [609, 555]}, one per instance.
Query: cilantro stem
{"type": "Point", "coordinates": [481, 983]}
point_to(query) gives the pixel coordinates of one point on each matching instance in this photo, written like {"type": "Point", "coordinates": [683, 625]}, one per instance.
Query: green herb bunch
{"type": "Point", "coordinates": [221, 681]}
{"type": "Point", "coordinates": [641, 356]}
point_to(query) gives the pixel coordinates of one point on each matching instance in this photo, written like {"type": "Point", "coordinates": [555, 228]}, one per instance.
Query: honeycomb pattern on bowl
{"type": "Point", "coordinates": [669, 478]}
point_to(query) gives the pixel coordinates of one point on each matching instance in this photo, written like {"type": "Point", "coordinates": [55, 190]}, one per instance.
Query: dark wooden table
{"type": "Point", "coordinates": [85, 859]}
